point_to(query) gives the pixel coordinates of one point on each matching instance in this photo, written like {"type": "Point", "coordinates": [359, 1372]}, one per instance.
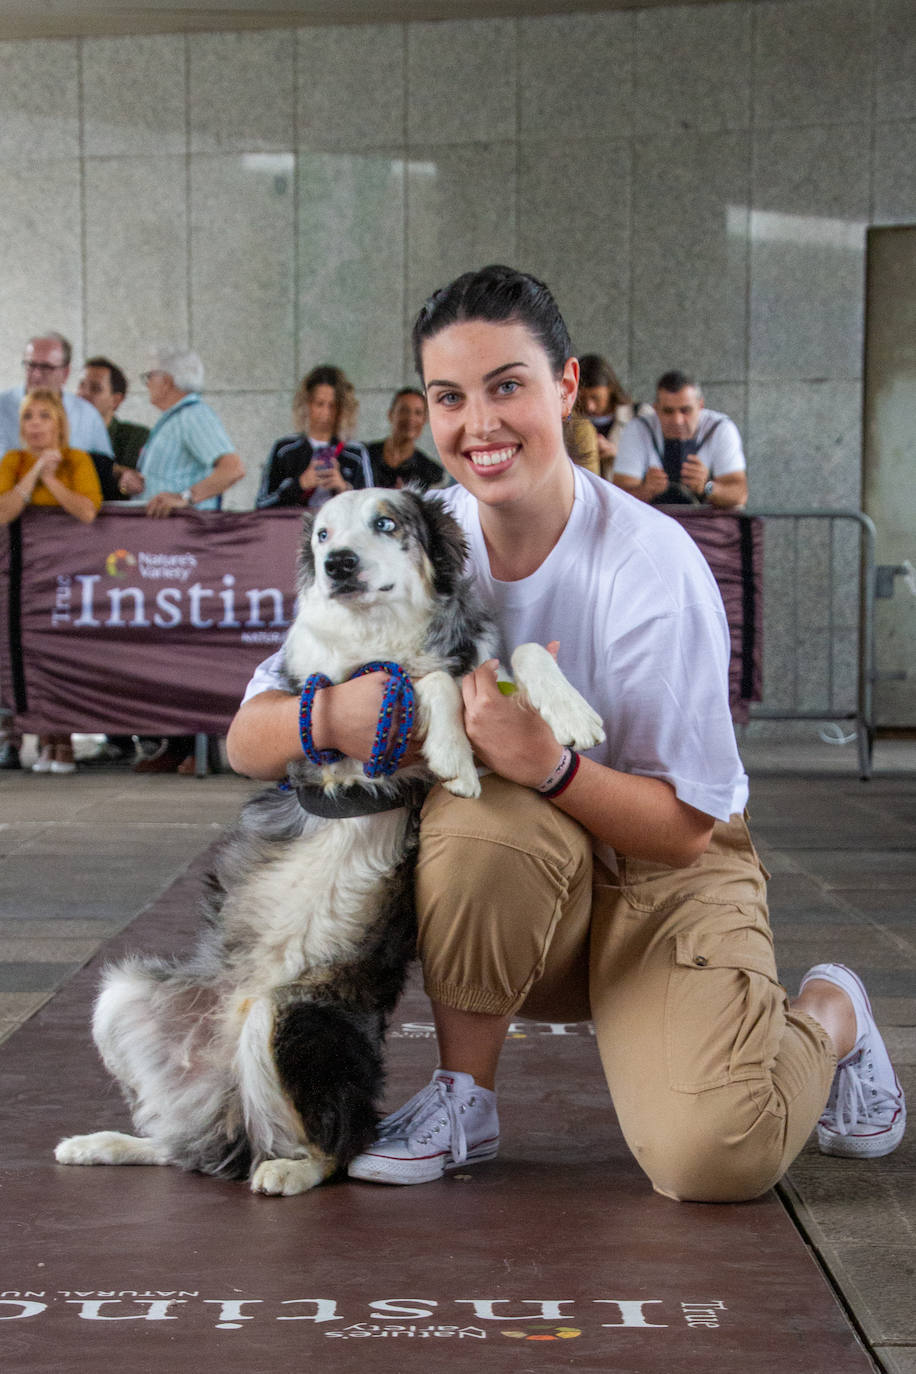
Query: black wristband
{"type": "Point", "coordinates": [566, 778]}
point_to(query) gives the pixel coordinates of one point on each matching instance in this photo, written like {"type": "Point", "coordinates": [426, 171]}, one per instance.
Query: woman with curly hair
{"type": "Point", "coordinates": [309, 467]}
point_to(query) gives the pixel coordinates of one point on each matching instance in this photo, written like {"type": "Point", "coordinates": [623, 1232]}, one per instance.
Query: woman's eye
{"type": "Point", "coordinates": [384, 524]}
{"type": "Point", "coordinates": [448, 398]}
{"type": "Point", "coordinates": [321, 536]}
{"type": "Point", "coordinates": [507, 388]}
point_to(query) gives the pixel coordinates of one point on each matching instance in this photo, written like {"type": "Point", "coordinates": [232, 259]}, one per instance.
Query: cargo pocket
{"type": "Point", "coordinates": [724, 1009]}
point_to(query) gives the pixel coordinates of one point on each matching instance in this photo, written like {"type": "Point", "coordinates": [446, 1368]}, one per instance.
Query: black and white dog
{"type": "Point", "coordinates": [260, 1054]}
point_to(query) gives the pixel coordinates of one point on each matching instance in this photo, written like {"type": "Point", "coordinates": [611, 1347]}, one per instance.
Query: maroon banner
{"type": "Point", "coordinates": [732, 545]}
{"type": "Point", "coordinates": [131, 624]}
{"type": "Point", "coordinates": [155, 626]}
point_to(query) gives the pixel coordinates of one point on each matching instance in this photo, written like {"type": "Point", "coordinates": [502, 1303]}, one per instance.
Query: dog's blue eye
{"type": "Point", "coordinates": [384, 524]}
{"type": "Point", "coordinates": [321, 536]}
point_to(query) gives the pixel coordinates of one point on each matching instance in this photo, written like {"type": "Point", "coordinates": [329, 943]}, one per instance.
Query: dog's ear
{"type": "Point", "coordinates": [306, 560]}
{"type": "Point", "coordinates": [443, 543]}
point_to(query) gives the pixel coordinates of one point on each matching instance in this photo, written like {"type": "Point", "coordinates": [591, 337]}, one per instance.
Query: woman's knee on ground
{"type": "Point", "coordinates": [722, 1147]}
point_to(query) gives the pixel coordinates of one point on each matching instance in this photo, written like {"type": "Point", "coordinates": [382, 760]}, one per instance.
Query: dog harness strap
{"type": "Point", "coordinates": [362, 801]}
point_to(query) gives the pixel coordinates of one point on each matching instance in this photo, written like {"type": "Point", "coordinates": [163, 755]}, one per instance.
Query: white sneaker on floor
{"type": "Point", "coordinates": [865, 1114]}
{"type": "Point", "coordinates": [44, 763]}
{"type": "Point", "coordinates": [448, 1123]}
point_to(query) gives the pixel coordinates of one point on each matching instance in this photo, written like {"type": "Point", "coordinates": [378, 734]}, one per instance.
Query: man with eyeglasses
{"type": "Point", "coordinates": [46, 362]}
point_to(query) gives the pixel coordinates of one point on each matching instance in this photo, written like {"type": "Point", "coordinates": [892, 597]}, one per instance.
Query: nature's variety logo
{"type": "Point", "coordinates": [559, 1333]}
{"type": "Point", "coordinates": [116, 562]}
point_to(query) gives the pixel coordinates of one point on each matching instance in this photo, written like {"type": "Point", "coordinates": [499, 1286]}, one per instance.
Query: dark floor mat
{"type": "Point", "coordinates": [556, 1256]}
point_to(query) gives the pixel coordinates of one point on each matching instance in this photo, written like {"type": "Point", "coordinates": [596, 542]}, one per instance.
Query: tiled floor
{"type": "Point", "coordinates": [81, 856]}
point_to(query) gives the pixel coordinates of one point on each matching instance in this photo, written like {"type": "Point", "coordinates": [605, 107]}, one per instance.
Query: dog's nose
{"type": "Point", "coordinates": [341, 564]}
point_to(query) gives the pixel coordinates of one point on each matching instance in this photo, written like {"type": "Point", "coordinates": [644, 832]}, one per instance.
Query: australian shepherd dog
{"type": "Point", "coordinates": [259, 1055]}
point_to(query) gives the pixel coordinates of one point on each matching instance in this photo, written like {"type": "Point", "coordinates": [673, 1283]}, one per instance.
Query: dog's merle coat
{"type": "Point", "coordinates": [260, 1054]}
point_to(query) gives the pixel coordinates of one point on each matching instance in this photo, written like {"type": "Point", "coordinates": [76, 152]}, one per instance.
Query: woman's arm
{"type": "Point", "coordinates": [73, 502]}
{"type": "Point", "coordinates": [14, 501]}
{"type": "Point", "coordinates": [264, 735]}
{"type": "Point", "coordinates": [639, 816]}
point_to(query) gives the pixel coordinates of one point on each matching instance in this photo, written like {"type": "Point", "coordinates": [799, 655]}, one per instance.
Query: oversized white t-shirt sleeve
{"type": "Point", "coordinates": [267, 677]}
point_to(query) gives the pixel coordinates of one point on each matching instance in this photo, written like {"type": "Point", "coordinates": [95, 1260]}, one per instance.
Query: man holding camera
{"type": "Point", "coordinates": [682, 453]}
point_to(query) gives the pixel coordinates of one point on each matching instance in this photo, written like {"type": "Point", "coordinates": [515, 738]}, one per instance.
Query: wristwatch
{"type": "Point", "coordinates": [186, 496]}
{"type": "Point", "coordinates": [707, 490]}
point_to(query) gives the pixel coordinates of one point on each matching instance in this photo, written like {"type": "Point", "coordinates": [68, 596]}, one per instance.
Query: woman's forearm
{"type": "Point", "coordinates": [73, 502]}
{"type": "Point", "coordinates": [639, 816]}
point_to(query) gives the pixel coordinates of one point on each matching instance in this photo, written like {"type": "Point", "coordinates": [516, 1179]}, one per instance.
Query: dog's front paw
{"type": "Point", "coordinates": [445, 745]}
{"type": "Point", "coordinates": [544, 687]}
{"type": "Point", "coordinates": [108, 1147]}
{"type": "Point", "coordinates": [464, 780]}
{"type": "Point", "coordinates": [286, 1177]}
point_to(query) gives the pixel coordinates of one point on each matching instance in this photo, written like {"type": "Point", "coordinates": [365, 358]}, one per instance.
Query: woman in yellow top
{"type": "Point", "coordinates": [47, 472]}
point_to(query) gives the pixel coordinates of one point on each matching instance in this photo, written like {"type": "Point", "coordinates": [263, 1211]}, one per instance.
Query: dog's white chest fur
{"type": "Point", "coordinates": [312, 905]}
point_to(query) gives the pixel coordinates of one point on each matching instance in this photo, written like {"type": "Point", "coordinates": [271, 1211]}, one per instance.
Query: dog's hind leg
{"type": "Point", "coordinates": [294, 1163]}
{"type": "Point", "coordinates": [310, 1076]}
{"type": "Point", "coordinates": [109, 1147]}
{"type": "Point", "coordinates": [286, 1177]}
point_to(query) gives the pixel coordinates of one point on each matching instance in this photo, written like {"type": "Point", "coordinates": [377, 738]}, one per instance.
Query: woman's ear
{"type": "Point", "coordinates": [569, 384]}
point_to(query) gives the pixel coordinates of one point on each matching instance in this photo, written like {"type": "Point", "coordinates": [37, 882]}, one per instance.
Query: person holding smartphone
{"type": "Point", "coordinates": [309, 467]}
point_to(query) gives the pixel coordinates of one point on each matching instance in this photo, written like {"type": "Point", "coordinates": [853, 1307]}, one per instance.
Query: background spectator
{"type": "Point", "coordinates": [46, 471]}
{"type": "Point", "coordinates": [320, 459]}
{"type": "Point", "coordinates": [397, 460]}
{"type": "Point", "coordinates": [188, 459]}
{"type": "Point", "coordinates": [46, 361]}
{"type": "Point", "coordinates": [581, 440]}
{"type": "Point", "coordinates": [607, 403]}
{"type": "Point", "coordinates": [103, 384]}
{"type": "Point", "coordinates": [681, 452]}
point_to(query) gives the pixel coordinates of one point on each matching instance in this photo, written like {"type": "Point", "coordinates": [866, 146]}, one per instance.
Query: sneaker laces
{"type": "Point", "coordinates": [856, 1097]}
{"type": "Point", "coordinates": [415, 1120]}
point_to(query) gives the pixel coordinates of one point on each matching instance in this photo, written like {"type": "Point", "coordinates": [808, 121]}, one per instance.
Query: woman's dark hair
{"type": "Point", "coordinates": [407, 391]}
{"type": "Point", "coordinates": [597, 371]}
{"type": "Point", "coordinates": [500, 295]}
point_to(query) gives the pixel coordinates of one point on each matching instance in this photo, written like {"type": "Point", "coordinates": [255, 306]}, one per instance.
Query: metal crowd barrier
{"type": "Point", "coordinates": [819, 620]}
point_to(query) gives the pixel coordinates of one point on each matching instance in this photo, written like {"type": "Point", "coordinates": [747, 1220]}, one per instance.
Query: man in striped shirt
{"type": "Point", "coordinates": [188, 459]}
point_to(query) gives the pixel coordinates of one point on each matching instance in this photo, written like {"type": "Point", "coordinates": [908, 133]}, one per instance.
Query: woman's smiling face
{"type": "Point", "coordinates": [496, 409]}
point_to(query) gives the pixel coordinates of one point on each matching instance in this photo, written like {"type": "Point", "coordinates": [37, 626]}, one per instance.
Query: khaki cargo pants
{"type": "Point", "coordinates": [716, 1082]}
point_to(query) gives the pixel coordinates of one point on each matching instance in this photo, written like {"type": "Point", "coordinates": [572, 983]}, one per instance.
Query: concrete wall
{"type": "Point", "coordinates": [694, 182]}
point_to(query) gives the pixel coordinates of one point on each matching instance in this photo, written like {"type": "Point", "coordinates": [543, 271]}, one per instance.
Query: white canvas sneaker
{"type": "Point", "coordinates": [448, 1123]}
{"type": "Point", "coordinates": [865, 1114]}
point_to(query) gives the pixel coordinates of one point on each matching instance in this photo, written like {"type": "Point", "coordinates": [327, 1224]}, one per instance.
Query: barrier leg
{"type": "Point", "coordinates": [200, 756]}
{"type": "Point", "coordinates": [865, 741]}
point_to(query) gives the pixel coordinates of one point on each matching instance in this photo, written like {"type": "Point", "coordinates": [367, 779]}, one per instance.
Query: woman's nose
{"type": "Point", "coordinates": [481, 419]}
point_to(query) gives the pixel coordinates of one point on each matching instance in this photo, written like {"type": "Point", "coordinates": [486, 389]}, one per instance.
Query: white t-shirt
{"type": "Point", "coordinates": [639, 450]}
{"type": "Point", "coordinates": [642, 633]}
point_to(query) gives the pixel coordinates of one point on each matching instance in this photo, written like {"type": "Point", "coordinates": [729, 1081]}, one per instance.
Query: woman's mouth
{"type": "Point", "coordinates": [487, 459]}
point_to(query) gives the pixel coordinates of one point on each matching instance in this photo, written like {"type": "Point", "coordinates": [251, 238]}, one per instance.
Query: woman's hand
{"type": "Point", "coordinates": [507, 736]}
{"type": "Point", "coordinates": [264, 735]}
{"type": "Point", "coordinates": [48, 462]}
{"type": "Point", "coordinates": [346, 716]}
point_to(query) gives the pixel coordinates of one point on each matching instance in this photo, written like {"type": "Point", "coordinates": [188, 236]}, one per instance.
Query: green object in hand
{"type": "Point", "coordinates": [508, 689]}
